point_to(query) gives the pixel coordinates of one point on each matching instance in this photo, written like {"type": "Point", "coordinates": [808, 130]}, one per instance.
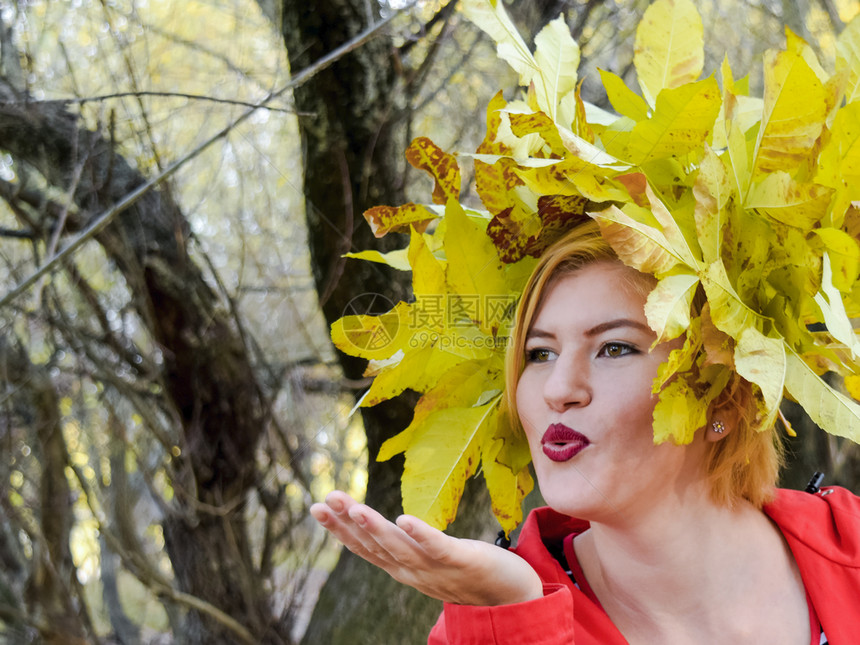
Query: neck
{"type": "Point", "coordinates": [674, 572]}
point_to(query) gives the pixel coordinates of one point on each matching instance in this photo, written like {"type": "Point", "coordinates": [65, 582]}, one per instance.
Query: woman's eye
{"type": "Point", "coordinates": [614, 350]}
{"type": "Point", "coordinates": [539, 355]}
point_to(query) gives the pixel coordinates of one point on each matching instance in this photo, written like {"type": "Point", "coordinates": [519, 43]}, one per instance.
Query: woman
{"type": "Point", "coordinates": [641, 543]}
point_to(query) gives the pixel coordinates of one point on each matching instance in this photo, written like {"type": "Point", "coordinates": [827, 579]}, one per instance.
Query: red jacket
{"type": "Point", "coordinates": [823, 532]}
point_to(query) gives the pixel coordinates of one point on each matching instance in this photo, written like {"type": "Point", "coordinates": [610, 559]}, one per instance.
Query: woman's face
{"type": "Point", "coordinates": [584, 399]}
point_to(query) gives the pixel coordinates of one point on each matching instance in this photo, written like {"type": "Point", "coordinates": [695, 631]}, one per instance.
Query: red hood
{"type": "Point", "coordinates": [823, 532]}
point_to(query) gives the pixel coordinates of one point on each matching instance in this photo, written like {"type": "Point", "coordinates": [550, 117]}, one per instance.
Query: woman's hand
{"type": "Point", "coordinates": [465, 572]}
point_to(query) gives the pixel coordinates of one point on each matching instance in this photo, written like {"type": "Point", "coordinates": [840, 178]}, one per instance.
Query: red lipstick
{"type": "Point", "coordinates": [561, 443]}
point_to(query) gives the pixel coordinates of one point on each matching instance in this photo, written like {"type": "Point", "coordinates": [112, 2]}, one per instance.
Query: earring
{"type": "Point", "coordinates": [718, 426]}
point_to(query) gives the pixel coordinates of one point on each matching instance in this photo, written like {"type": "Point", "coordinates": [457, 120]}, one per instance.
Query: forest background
{"type": "Point", "coordinates": [179, 183]}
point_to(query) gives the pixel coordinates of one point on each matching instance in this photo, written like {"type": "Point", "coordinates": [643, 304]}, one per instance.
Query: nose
{"type": "Point", "coordinates": [567, 385]}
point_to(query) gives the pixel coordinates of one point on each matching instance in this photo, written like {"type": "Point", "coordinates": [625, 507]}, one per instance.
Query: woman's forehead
{"type": "Point", "coordinates": [612, 273]}
{"type": "Point", "coordinates": [597, 288]}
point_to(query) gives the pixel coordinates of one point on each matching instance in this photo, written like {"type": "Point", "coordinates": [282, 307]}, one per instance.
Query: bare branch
{"type": "Point", "coordinates": [100, 222]}
{"type": "Point", "coordinates": [180, 95]}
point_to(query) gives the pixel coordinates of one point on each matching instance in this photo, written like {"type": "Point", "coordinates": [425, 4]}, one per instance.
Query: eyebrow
{"type": "Point", "coordinates": [597, 329]}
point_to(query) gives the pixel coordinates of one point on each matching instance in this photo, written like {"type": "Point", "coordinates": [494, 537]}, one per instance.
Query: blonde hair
{"type": "Point", "coordinates": [742, 465]}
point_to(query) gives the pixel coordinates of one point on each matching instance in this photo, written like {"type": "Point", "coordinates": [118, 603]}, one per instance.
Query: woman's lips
{"type": "Point", "coordinates": [561, 443]}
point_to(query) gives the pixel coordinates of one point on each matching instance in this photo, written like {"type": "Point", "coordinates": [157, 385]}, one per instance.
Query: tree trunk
{"type": "Point", "coordinates": [353, 133]}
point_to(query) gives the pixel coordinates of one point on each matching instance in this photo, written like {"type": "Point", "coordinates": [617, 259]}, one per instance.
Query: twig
{"type": "Point", "coordinates": [101, 221]}
{"type": "Point", "coordinates": [178, 95]}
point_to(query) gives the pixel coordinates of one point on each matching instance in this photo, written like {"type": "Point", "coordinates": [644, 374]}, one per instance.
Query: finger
{"type": "Point", "coordinates": [339, 502]}
{"type": "Point", "coordinates": [390, 538]}
{"type": "Point", "coordinates": [435, 544]}
{"type": "Point", "coordinates": [322, 513]}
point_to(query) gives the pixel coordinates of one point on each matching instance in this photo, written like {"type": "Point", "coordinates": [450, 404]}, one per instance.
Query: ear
{"type": "Point", "coordinates": [717, 429]}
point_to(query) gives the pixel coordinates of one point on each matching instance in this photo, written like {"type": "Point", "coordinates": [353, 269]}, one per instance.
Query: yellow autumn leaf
{"type": "Point", "coordinates": [840, 157]}
{"type": "Point", "coordinates": [762, 360]}
{"type": "Point", "coordinates": [590, 152]}
{"type": "Point", "coordinates": [728, 312]}
{"type": "Point", "coordinates": [537, 123]}
{"type": "Point", "coordinates": [852, 384]}
{"type": "Point", "coordinates": [521, 148]}
{"type": "Point", "coordinates": [623, 99]}
{"type": "Point", "coordinates": [373, 337]}
{"type": "Point", "coordinates": [671, 226]}
{"type": "Point", "coordinates": [418, 370]}
{"type": "Point", "coordinates": [638, 244]}
{"type": "Point", "coordinates": [443, 454]}
{"type": "Point", "coordinates": [423, 154]}
{"type": "Point", "coordinates": [557, 56]}
{"type": "Point", "coordinates": [795, 105]}
{"type": "Point", "coordinates": [739, 148]}
{"type": "Point", "coordinates": [746, 113]}
{"type": "Point", "coordinates": [668, 306]}
{"type": "Point", "coordinates": [678, 413]}
{"type": "Point", "coordinates": [681, 359]}
{"type": "Point", "coordinates": [832, 411]}
{"type": "Point", "coordinates": [507, 483]}
{"type": "Point", "coordinates": [848, 57]}
{"type": "Point", "coordinates": [490, 16]}
{"type": "Point", "coordinates": [385, 219]}
{"type": "Point", "coordinates": [597, 188]}
{"type": "Point", "coordinates": [396, 259]}
{"type": "Point", "coordinates": [669, 47]}
{"type": "Point", "coordinates": [844, 255]}
{"type": "Point", "coordinates": [555, 179]}
{"type": "Point", "coordinates": [428, 273]}
{"type": "Point", "coordinates": [461, 386]}
{"type": "Point", "coordinates": [829, 300]}
{"type": "Point", "coordinates": [474, 267]}
{"type": "Point", "coordinates": [839, 162]}
{"type": "Point", "coordinates": [797, 204]}
{"type": "Point", "coordinates": [682, 121]}
{"type": "Point", "coordinates": [712, 190]}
